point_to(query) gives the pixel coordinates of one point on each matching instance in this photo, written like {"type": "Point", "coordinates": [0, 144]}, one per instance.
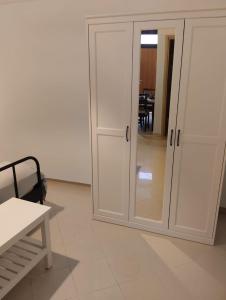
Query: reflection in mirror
{"type": "Point", "coordinates": [156, 64]}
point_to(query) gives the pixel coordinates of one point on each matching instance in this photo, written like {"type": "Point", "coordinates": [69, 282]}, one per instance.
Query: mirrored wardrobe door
{"type": "Point", "coordinates": [156, 74]}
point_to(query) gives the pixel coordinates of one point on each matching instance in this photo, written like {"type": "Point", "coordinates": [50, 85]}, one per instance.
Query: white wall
{"type": "Point", "coordinates": [43, 78]}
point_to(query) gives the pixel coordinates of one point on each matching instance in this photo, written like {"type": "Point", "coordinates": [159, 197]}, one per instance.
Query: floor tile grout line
{"type": "Point", "coordinates": [102, 289]}
{"type": "Point", "coordinates": [117, 283]}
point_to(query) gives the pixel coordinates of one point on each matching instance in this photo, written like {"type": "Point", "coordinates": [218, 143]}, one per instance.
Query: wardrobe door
{"type": "Point", "coordinates": [157, 44]}
{"type": "Point", "coordinates": [201, 130]}
{"type": "Point", "coordinates": [110, 48]}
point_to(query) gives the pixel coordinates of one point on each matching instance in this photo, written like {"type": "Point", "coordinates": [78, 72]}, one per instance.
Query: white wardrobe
{"type": "Point", "coordinates": [187, 162]}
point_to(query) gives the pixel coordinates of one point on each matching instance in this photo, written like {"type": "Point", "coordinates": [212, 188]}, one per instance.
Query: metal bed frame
{"type": "Point", "coordinates": [38, 193]}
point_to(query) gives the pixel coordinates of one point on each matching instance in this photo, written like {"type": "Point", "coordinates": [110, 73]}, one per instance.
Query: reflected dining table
{"type": "Point", "coordinates": [145, 107]}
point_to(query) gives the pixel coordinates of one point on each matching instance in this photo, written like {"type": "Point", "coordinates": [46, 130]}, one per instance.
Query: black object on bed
{"type": "Point", "coordinates": [38, 192]}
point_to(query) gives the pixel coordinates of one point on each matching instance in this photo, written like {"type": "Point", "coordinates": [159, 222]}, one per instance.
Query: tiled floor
{"type": "Point", "coordinates": [100, 261]}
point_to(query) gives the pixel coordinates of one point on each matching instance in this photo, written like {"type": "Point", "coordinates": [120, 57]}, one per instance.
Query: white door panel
{"type": "Point", "coordinates": [111, 165]}
{"type": "Point", "coordinates": [201, 120]}
{"type": "Point", "coordinates": [110, 47]}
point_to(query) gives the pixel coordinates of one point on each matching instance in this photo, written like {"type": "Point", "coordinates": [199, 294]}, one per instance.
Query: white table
{"type": "Point", "coordinates": [19, 253]}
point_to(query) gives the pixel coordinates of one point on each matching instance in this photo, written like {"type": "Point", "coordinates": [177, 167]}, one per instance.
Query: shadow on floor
{"type": "Point", "coordinates": [46, 284]}
{"type": "Point", "coordinates": [220, 239]}
{"type": "Point", "coordinates": [55, 208]}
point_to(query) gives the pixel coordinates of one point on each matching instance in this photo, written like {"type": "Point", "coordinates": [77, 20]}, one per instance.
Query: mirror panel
{"type": "Point", "coordinates": [156, 65]}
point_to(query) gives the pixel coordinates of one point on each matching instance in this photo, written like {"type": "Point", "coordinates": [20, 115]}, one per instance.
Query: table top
{"type": "Point", "coordinates": [17, 218]}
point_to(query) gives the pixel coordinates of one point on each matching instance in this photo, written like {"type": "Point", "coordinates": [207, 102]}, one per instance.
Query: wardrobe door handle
{"type": "Point", "coordinates": [127, 132]}
{"type": "Point", "coordinates": [178, 137]}
{"type": "Point", "coordinates": [171, 137]}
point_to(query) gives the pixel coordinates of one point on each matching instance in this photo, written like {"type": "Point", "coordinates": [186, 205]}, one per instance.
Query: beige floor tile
{"type": "Point", "coordinates": [175, 287]}
{"type": "Point", "coordinates": [67, 229]}
{"type": "Point", "coordinates": [190, 249]}
{"type": "Point", "coordinates": [214, 264]}
{"type": "Point", "coordinates": [145, 288]}
{"type": "Point", "coordinates": [112, 293]}
{"type": "Point", "coordinates": [81, 243]}
{"type": "Point", "coordinates": [132, 266]}
{"type": "Point", "coordinates": [118, 240]}
{"type": "Point", "coordinates": [92, 276]}
{"type": "Point", "coordinates": [76, 209]}
{"type": "Point", "coordinates": [84, 251]}
{"type": "Point", "coordinates": [166, 251]}
{"type": "Point", "coordinates": [200, 283]}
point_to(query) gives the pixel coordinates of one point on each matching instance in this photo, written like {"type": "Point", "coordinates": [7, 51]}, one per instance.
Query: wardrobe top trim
{"type": "Point", "coordinates": [169, 15]}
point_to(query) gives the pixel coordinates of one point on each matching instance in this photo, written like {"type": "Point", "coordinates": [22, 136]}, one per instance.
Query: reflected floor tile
{"type": "Point", "coordinates": [151, 153]}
